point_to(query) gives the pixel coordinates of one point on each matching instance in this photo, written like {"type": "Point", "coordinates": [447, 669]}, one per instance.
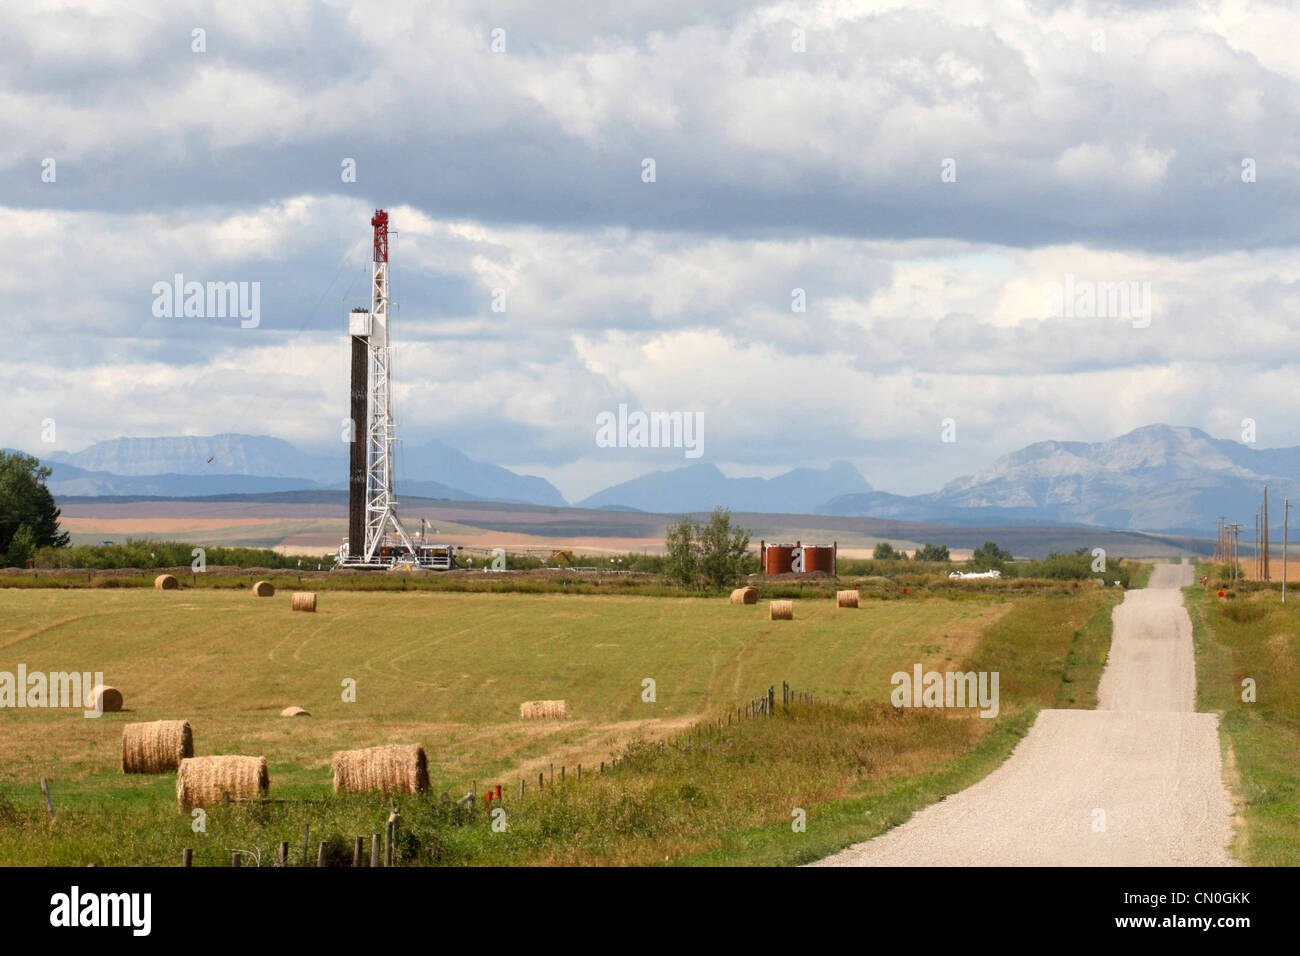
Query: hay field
{"type": "Point", "coordinates": [1246, 568]}
{"type": "Point", "coordinates": [448, 671]}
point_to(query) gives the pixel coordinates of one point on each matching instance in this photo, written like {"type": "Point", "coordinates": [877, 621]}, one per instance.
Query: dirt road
{"type": "Point", "coordinates": [1137, 782]}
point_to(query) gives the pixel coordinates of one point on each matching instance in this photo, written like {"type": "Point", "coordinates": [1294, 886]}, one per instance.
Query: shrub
{"type": "Point", "coordinates": [1243, 613]}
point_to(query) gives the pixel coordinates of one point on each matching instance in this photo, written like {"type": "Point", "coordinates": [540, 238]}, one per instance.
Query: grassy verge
{"type": "Point", "coordinates": [642, 584]}
{"type": "Point", "coordinates": [834, 825]}
{"type": "Point", "coordinates": [710, 795]}
{"type": "Point", "coordinates": [1252, 635]}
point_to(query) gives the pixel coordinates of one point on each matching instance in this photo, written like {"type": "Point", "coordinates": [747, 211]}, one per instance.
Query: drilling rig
{"type": "Point", "coordinates": [376, 539]}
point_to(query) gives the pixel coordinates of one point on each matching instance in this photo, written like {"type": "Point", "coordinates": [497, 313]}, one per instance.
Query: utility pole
{"type": "Point", "coordinates": [1286, 518]}
{"type": "Point", "coordinates": [1234, 547]}
{"type": "Point", "coordinates": [1267, 575]}
{"type": "Point", "coordinates": [1256, 575]}
{"type": "Point", "coordinates": [1236, 552]}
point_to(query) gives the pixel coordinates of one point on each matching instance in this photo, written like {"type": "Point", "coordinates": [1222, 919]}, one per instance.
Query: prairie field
{"type": "Point", "coordinates": [1248, 671]}
{"type": "Point", "coordinates": [1246, 569]}
{"type": "Point", "coordinates": [449, 670]}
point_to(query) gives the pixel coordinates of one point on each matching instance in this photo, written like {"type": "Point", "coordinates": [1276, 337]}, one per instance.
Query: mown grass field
{"type": "Point", "coordinates": [1253, 635]}
{"type": "Point", "coordinates": [449, 670]}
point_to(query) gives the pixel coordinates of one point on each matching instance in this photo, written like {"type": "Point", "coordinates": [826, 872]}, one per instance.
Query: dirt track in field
{"type": "Point", "coordinates": [1137, 782]}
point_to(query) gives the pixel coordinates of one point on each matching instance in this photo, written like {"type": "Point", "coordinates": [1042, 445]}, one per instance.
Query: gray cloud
{"type": "Point", "coordinates": [776, 170]}
{"type": "Point", "coordinates": [1138, 145]}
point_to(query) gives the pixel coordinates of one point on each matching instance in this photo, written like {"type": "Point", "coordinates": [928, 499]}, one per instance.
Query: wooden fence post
{"type": "Point", "coordinates": [320, 854]}
{"type": "Point", "coordinates": [306, 847]}
{"type": "Point", "coordinates": [187, 857]}
{"type": "Point", "coordinates": [374, 849]}
{"type": "Point", "coordinates": [358, 851]}
{"type": "Point", "coordinates": [541, 778]}
{"type": "Point", "coordinates": [283, 858]}
{"type": "Point", "coordinates": [49, 804]}
{"type": "Point", "coordinates": [392, 833]}
{"type": "Point", "coordinates": [235, 858]}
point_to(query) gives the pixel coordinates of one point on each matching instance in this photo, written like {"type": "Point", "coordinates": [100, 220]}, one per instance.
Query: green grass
{"type": "Point", "coordinates": [448, 671]}
{"type": "Point", "coordinates": [465, 658]}
{"type": "Point", "coordinates": [1254, 636]}
{"type": "Point", "coordinates": [882, 805]}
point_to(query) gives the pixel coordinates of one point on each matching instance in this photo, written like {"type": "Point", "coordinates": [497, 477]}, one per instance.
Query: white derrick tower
{"type": "Point", "coordinates": [380, 502]}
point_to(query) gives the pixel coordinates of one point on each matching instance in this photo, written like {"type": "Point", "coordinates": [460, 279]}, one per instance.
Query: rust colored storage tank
{"type": "Point", "coordinates": [777, 558]}
{"type": "Point", "coordinates": [819, 557]}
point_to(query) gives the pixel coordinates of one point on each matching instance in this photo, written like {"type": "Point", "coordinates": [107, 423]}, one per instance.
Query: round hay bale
{"type": "Point", "coordinates": [397, 768]}
{"type": "Point", "coordinates": [747, 595]}
{"type": "Point", "coordinates": [847, 598]}
{"type": "Point", "coordinates": [544, 710]}
{"type": "Point", "coordinates": [294, 712]}
{"type": "Point", "coordinates": [103, 698]}
{"type": "Point", "coordinates": [208, 781]}
{"type": "Point", "coordinates": [156, 746]}
{"type": "Point", "coordinates": [263, 589]}
{"type": "Point", "coordinates": [165, 582]}
{"type": "Point", "coordinates": [781, 610]}
{"type": "Point", "coordinates": [303, 601]}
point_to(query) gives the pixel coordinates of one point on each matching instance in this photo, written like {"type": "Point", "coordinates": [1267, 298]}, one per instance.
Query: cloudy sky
{"type": "Point", "coordinates": [926, 172]}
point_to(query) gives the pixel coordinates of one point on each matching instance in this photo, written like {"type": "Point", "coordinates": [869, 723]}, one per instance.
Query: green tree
{"type": "Point", "coordinates": [722, 549]}
{"type": "Point", "coordinates": [931, 552]}
{"type": "Point", "coordinates": [680, 563]}
{"type": "Point", "coordinates": [989, 555]}
{"type": "Point", "coordinates": [21, 547]}
{"type": "Point", "coordinates": [26, 505]}
{"type": "Point", "coordinates": [884, 551]}
{"type": "Point", "coordinates": [712, 554]}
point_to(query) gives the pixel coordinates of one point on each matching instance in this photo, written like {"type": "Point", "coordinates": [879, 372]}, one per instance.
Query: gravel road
{"type": "Point", "coordinates": [1143, 764]}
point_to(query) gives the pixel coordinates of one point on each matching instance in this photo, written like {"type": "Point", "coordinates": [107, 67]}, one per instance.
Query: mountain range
{"type": "Point", "coordinates": [702, 487]}
{"type": "Point", "coordinates": [1155, 478]}
{"type": "Point", "coordinates": [233, 464]}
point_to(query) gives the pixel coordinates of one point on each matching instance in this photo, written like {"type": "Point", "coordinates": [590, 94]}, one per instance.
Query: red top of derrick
{"type": "Point", "coordinates": [380, 221]}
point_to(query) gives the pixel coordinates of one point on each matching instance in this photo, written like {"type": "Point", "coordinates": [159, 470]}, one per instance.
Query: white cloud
{"type": "Point", "coordinates": [777, 170]}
